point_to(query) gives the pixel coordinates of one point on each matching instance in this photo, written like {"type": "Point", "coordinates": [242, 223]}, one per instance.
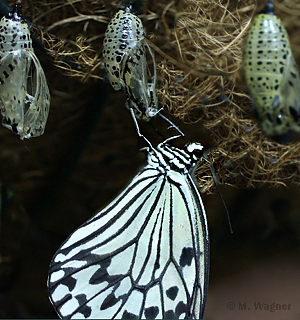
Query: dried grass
{"type": "Point", "coordinates": [199, 50]}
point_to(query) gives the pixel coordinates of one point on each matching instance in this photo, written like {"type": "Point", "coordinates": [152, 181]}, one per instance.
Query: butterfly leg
{"type": "Point", "coordinates": [138, 128]}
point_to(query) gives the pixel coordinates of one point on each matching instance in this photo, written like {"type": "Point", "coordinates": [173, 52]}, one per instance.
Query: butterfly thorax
{"type": "Point", "coordinates": [168, 157]}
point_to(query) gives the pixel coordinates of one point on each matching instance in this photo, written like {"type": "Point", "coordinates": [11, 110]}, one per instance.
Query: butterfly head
{"type": "Point", "coordinates": [195, 150]}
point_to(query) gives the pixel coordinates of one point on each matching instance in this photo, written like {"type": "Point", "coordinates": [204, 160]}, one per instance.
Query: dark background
{"type": "Point", "coordinates": [88, 154]}
{"type": "Point", "coordinates": [63, 177]}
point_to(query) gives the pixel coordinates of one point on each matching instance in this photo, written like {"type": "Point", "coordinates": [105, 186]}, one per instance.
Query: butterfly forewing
{"type": "Point", "coordinates": [143, 256]}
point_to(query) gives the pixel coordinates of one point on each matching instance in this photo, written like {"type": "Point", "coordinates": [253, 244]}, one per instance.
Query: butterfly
{"type": "Point", "coordinates": [272, 75]}
{"type": "Point", "coordinates": [124, 57]}
{"type": "Point", "coordinates": [24, 93]}
{"type": "Point", "coordinates": [146, 254]}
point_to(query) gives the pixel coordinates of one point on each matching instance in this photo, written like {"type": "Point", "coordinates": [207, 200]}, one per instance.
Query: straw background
{"type": "Point", "coordinates": [89, 151]}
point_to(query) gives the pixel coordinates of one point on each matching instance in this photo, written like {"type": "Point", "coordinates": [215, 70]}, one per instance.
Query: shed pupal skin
{"type": "Point", "coordinates": [124, 57]}
{"type": "Point", "coordinates": [24, 93]}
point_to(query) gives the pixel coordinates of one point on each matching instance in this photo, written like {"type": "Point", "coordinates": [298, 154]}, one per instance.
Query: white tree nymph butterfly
{"type": "Point", "coordinates": [145, 255]}
{"type": "Point", "coordinates": [24, 93]}
{"type": "Point", "coordinates": [124, 56]}
{"type": "Point", "coordinates": [272, 75]}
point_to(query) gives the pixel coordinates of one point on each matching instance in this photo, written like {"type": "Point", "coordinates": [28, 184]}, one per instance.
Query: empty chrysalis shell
{"type": "Point", "coordinates": [24, 93]}
{"type": "Point", "coordinates": [272, 75]}
{"type": "Point", "coordinates": [124, 57]}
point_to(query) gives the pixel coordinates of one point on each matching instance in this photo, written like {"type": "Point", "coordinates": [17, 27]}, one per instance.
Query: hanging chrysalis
{"type": "Point", "coordinates": [272, 75]}
{"type": "Point", "coordinates": [124, 56]}
{"type": "Point", "coordinates": [24, 94]}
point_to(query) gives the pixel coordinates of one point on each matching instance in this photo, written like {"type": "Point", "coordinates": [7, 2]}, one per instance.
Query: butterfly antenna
{"type": "Point", "coordinates": [216, 182]}
{"type": "Point", "coordinates": [172, 125]}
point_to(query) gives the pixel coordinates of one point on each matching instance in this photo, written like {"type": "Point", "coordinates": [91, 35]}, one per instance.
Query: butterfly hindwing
{"type": "Point", "coordinates": [144, 256]}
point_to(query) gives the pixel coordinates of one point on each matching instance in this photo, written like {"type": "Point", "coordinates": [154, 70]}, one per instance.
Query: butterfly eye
{"type": "Point", "coordinates": [198, 153]}
{"type": "Point", "coordinates": [195, 150]}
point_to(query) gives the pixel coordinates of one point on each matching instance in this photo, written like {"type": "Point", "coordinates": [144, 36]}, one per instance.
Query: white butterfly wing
{"type": "Point", "coordinates": [143, 256]}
